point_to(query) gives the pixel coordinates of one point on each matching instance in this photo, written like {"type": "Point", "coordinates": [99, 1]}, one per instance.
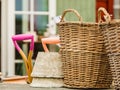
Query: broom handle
{"type": "Point", "coordinates": [71, 10]}
{"type": "Point", "coordinates": [107, 18]}
{"type": "Point", "coordinates": [49, 41]}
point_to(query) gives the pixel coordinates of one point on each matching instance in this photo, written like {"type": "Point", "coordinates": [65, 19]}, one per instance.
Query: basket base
{"type": "Point", "coordinates": [89, 85]}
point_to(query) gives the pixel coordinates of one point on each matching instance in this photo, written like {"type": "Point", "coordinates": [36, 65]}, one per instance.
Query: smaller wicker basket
{"type": "Point", "coordinates": [115, 67]}
{"type": "Point", "coordinates": [111, 33]}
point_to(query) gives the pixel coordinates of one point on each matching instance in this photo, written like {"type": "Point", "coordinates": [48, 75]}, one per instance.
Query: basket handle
{"type": "Point", "coordinates": [107, 16]}
{"type": "Point", "coordinates": [49, 41]}
{"type": "Point", "coordinates": [71, 10]}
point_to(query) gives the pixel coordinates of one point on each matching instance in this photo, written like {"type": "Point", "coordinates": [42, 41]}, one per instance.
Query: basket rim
{"type": "Point", "coordinates": [78, 22]}
{"type": "Point", "coordinates": [114, 21]}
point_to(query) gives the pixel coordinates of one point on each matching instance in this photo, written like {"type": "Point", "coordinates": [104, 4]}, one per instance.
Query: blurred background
{"type": "Point", "coordinates": [39, 18]}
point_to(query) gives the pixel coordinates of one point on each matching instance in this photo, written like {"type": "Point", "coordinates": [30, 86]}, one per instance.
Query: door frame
{"type": "Point", "coordinates": [4, 37]}
{"type": "Point", "coordinates": [7, 56]}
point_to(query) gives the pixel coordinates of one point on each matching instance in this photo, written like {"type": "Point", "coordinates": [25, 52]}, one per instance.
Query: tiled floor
{"type": "Point", "coordinates": [27, 87]}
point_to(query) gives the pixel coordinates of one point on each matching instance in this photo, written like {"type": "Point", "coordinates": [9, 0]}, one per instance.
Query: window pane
{"type": "Point", "coordinates": [20, 69]}
{"type": "Point", "coordinates": [40, 23]}
{"type": "Point", "coordinates": [116, 13]}
{"type": "Point", "coordinates": [22, 5]}
{"type": "Point", "coordinates": [41, 5]}
{"type": "Point", "coordinates": [22, 24]}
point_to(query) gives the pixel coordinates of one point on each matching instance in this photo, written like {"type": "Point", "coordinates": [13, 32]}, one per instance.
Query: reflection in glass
{"type": "Point", "coordinates": [41, 5]}
{"type": "Point", "coordinates": [40, 23]}
{"type": "Point", "coordinates": [22, 5]}
{"type": "Point", "coordinates": [22, 24]}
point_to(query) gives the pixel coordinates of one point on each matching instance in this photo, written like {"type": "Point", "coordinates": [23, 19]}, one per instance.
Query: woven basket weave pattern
{"type": "Point", "coordinates": [85, 64]}
{"type": "Point", "coordinates": [89, 36]}
{"type": "Point", "coordinates": [85, 69]}
{"type": "Point", "coordinates": [111, 33]}
{"type": "Point", "coordinates": [115, 67]}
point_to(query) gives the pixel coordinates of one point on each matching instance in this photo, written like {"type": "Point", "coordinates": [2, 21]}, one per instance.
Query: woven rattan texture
{"type": "Point", "coordinates": [111, 33]}
{"type": "Point", "coordinates": [84, 62]}
{"type": "Point", "coordinates": [85, 69]}
{"type": "Point", "coordinates": [115, 67]}
{"type": "Point", "coordinates": [80, 36]}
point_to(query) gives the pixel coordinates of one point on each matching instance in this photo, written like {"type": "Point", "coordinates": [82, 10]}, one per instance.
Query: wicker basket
{"type": "Point", "coordinates": [111, 33]}
{"type": "Point", "coordinates": [84, 63]}
{"type": "Point", "coordinates": [115, 67]}
{"type": "Point", "coordinates": [85, 69]}
{"type": "Point", "coordinates": [79, 35]}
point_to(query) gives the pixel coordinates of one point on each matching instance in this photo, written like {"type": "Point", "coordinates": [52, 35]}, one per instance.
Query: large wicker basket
{"type": "Point", "coordinates": [111, 33]}
{"type": "Point", "coordinates": [85, 65]}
